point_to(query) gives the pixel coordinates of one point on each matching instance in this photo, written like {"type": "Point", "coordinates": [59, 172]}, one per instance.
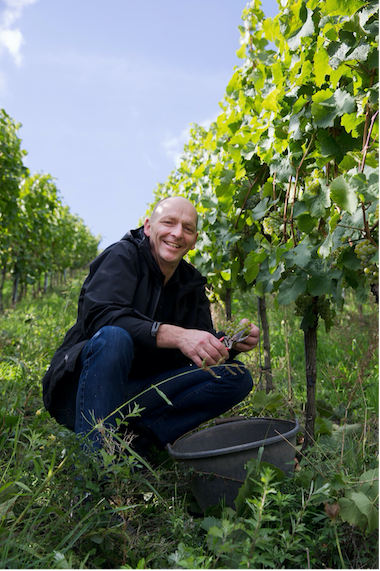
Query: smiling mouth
{"type": "Point", "coordinates": [172, 244]}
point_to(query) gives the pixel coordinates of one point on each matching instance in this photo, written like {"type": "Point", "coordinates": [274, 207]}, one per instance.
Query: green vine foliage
{"type": "Point", "coordinates": [38, 234]}
{"type": "Point", "coordinates": [286, 178]}
{"type": "Point", "coordinates": [47, 237]}
{"type": "Point", "coordinates": [11, 171]}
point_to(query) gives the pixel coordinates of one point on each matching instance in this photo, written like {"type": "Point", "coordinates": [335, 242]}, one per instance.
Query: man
{"type": "Point", "coordinates": [144, 318]}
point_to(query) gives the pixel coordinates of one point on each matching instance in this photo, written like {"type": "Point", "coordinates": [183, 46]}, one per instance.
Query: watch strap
{"type": "Point", "coordinates": [155, 326]}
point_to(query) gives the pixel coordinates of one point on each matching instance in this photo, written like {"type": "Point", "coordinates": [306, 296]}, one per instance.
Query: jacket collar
{"type": "Point", "coordinates": [187, 276]}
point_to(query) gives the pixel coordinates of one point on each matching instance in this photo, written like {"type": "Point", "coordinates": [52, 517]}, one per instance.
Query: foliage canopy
{"type": "Point", "coordinates": [286, 178]}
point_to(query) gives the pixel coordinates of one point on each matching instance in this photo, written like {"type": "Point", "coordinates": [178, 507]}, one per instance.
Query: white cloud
{"type": "Point", "coordinates": [3, 84]}
{"type": "Point", "coordinates": [11, 39]}
{"type": "Point", "coordinates": [173, 146]}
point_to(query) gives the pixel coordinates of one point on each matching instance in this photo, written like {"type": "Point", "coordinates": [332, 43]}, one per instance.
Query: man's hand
{"type": "Point", "coordinates": [200, 346]}
{"type": "Point", "coordinates": [251, 341]}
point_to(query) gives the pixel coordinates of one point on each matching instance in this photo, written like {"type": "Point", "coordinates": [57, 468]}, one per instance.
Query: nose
{"type": "Point", "coordinates": [177, 230]}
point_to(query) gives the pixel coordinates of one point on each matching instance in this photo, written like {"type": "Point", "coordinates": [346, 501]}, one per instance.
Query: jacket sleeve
{"type": "Point", "coordinates": [204, 319]}
{"type": "Point", "coordinates": [107, 298]}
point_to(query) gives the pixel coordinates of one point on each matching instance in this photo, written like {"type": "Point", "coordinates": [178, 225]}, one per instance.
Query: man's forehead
{"type": "Point", "coordinates": [174, 209]}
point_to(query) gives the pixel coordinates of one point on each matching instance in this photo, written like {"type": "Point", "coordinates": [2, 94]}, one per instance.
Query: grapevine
{"type": "Point", "coordinates": [311, 125]}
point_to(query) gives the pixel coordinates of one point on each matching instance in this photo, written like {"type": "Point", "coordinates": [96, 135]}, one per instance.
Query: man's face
{"type": "Point", "coordinates": [172, 232]}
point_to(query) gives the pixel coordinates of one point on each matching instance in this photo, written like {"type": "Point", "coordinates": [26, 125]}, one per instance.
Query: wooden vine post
{"type": "Point", "coordinates": [266, 344]}
{"type": "Point", "coordinates": [228, 304]}
{"type": "Point", "coordinates": [310, 344]}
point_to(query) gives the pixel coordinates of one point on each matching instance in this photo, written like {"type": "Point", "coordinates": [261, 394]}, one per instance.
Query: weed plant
{"type": "Point", "coordinates": [63, 508]}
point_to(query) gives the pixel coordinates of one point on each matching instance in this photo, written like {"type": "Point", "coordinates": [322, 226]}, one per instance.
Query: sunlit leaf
{"type": "Point", "coordinates": [343, 194]}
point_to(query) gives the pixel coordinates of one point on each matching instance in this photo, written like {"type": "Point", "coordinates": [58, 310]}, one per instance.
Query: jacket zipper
{"type": "Point", "coordinates": [157, 300]}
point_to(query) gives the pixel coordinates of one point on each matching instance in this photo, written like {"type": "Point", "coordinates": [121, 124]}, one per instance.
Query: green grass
{"type": "Point", "coordinates": [62, 509]}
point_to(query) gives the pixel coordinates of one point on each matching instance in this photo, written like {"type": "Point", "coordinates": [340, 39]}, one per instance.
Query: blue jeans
{"type": "Point", "coordinates": [195, 394]}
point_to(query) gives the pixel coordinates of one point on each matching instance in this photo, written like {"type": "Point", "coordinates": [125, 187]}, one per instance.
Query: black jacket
{"type": "Point", "coordinates": [123, 288]}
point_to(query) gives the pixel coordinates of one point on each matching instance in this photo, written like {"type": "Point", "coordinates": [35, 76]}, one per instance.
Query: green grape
{"type": "Point", "coordinates": [316, 174]}
{"type": "Point", "coordinates": [336, 253]}
{"type": "Point", "coordinates": [252, 201]}
{"type": "Point", "coordinates": [313, 183]}
{"type": "Point", "coordinates": [324, 308]}
{"type": "Point", "coordinates": [302, 304]}
{"type": "Point", "coordinates": [232, 328]}
{"type": "Point", "coordinates": [365, 251]}
{"type": "Point", "coordinates": [272, 225]}
{"type": "Point", "coordinates": [314, 186]}
{"type": "Point", "coordinates": [267, 226]}
{"type": "Point", "coordinates": [326, 311]}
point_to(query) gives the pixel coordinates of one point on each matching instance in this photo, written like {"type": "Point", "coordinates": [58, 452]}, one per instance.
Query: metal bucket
{"type": "Point", "coordinates": [217, 455]}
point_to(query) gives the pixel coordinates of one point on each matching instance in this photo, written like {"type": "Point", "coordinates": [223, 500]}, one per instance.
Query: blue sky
{"type": "Point", "coordinates": [106, 90]}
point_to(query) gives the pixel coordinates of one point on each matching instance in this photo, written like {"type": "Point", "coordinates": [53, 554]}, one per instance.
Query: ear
{"type": "Point", "coordinates": [147, 227]}
{"type": "Point", "coordinates": [195, 240]}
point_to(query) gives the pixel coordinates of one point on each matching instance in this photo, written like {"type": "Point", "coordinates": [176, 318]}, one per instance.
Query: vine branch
{"type": "Point", "coordinates": [366, 145]}
{"type": "Point", "coordinates": [294, 191]}
{"type": "Point", "coordinates": [249, 192]}
{"type": "Point", "coordinates": [367, 229]}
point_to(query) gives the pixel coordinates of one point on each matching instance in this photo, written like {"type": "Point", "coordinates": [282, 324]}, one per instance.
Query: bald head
{"type": "Point", "coordinates": [176, 201]}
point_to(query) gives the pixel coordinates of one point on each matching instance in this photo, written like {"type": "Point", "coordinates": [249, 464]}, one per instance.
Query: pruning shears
{"type": "Point", "coordinates": [237, 337]}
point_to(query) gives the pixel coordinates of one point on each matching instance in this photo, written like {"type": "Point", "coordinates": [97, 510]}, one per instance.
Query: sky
{"type": "Point", "coordinates": [106, 91]}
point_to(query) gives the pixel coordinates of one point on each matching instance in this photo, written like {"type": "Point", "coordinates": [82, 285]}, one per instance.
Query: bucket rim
{"type": "Point", "coordinates": [233, 449]}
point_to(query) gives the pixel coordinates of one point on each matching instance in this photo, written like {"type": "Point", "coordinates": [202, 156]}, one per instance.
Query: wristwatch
{"type": "Point", "coordinates": [155, 327]}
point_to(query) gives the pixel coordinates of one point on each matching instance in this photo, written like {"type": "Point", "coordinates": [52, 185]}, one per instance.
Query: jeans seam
{"type": "Point", "coordinates": [81, 387]}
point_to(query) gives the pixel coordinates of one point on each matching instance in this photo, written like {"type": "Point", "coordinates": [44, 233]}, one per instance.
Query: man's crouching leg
{"type": "Point", "coordinates": [105, 364]}
{"type": "Point", "coordinates": [196, 396]}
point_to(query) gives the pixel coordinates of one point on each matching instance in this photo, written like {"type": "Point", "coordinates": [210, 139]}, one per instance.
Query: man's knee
{"type": "Point", "coordinates": [239, 379]}
{"type": "Point", "coordinates": [113, 338]}
{"type": "Point", "coordinates": [247, 381]}
{"type": "Point", "coordinates": [110, 347]}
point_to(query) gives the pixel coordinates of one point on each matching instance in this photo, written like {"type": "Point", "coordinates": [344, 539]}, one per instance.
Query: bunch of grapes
{"type": "Point", "coordinates": [314, 182]}
{"type": "Point", "coordinates": [326, 311]}
{"type": "Point", "coordinates": [337, 252]}
{"type": "Point", "coordinates": [233, 332]}
{"type": "Point", "coordinates": [252, 201]}
{"type": "Point", "coordinates": [373, 220]}
{"type": "Point", "coordinates": [273, 225]}
{"type": "Point", "coordinates": [365, 250]}
{"type": "Point", "coordinates": [303, 302]}
{"type": "Point", "coordinates": [232, 327]}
